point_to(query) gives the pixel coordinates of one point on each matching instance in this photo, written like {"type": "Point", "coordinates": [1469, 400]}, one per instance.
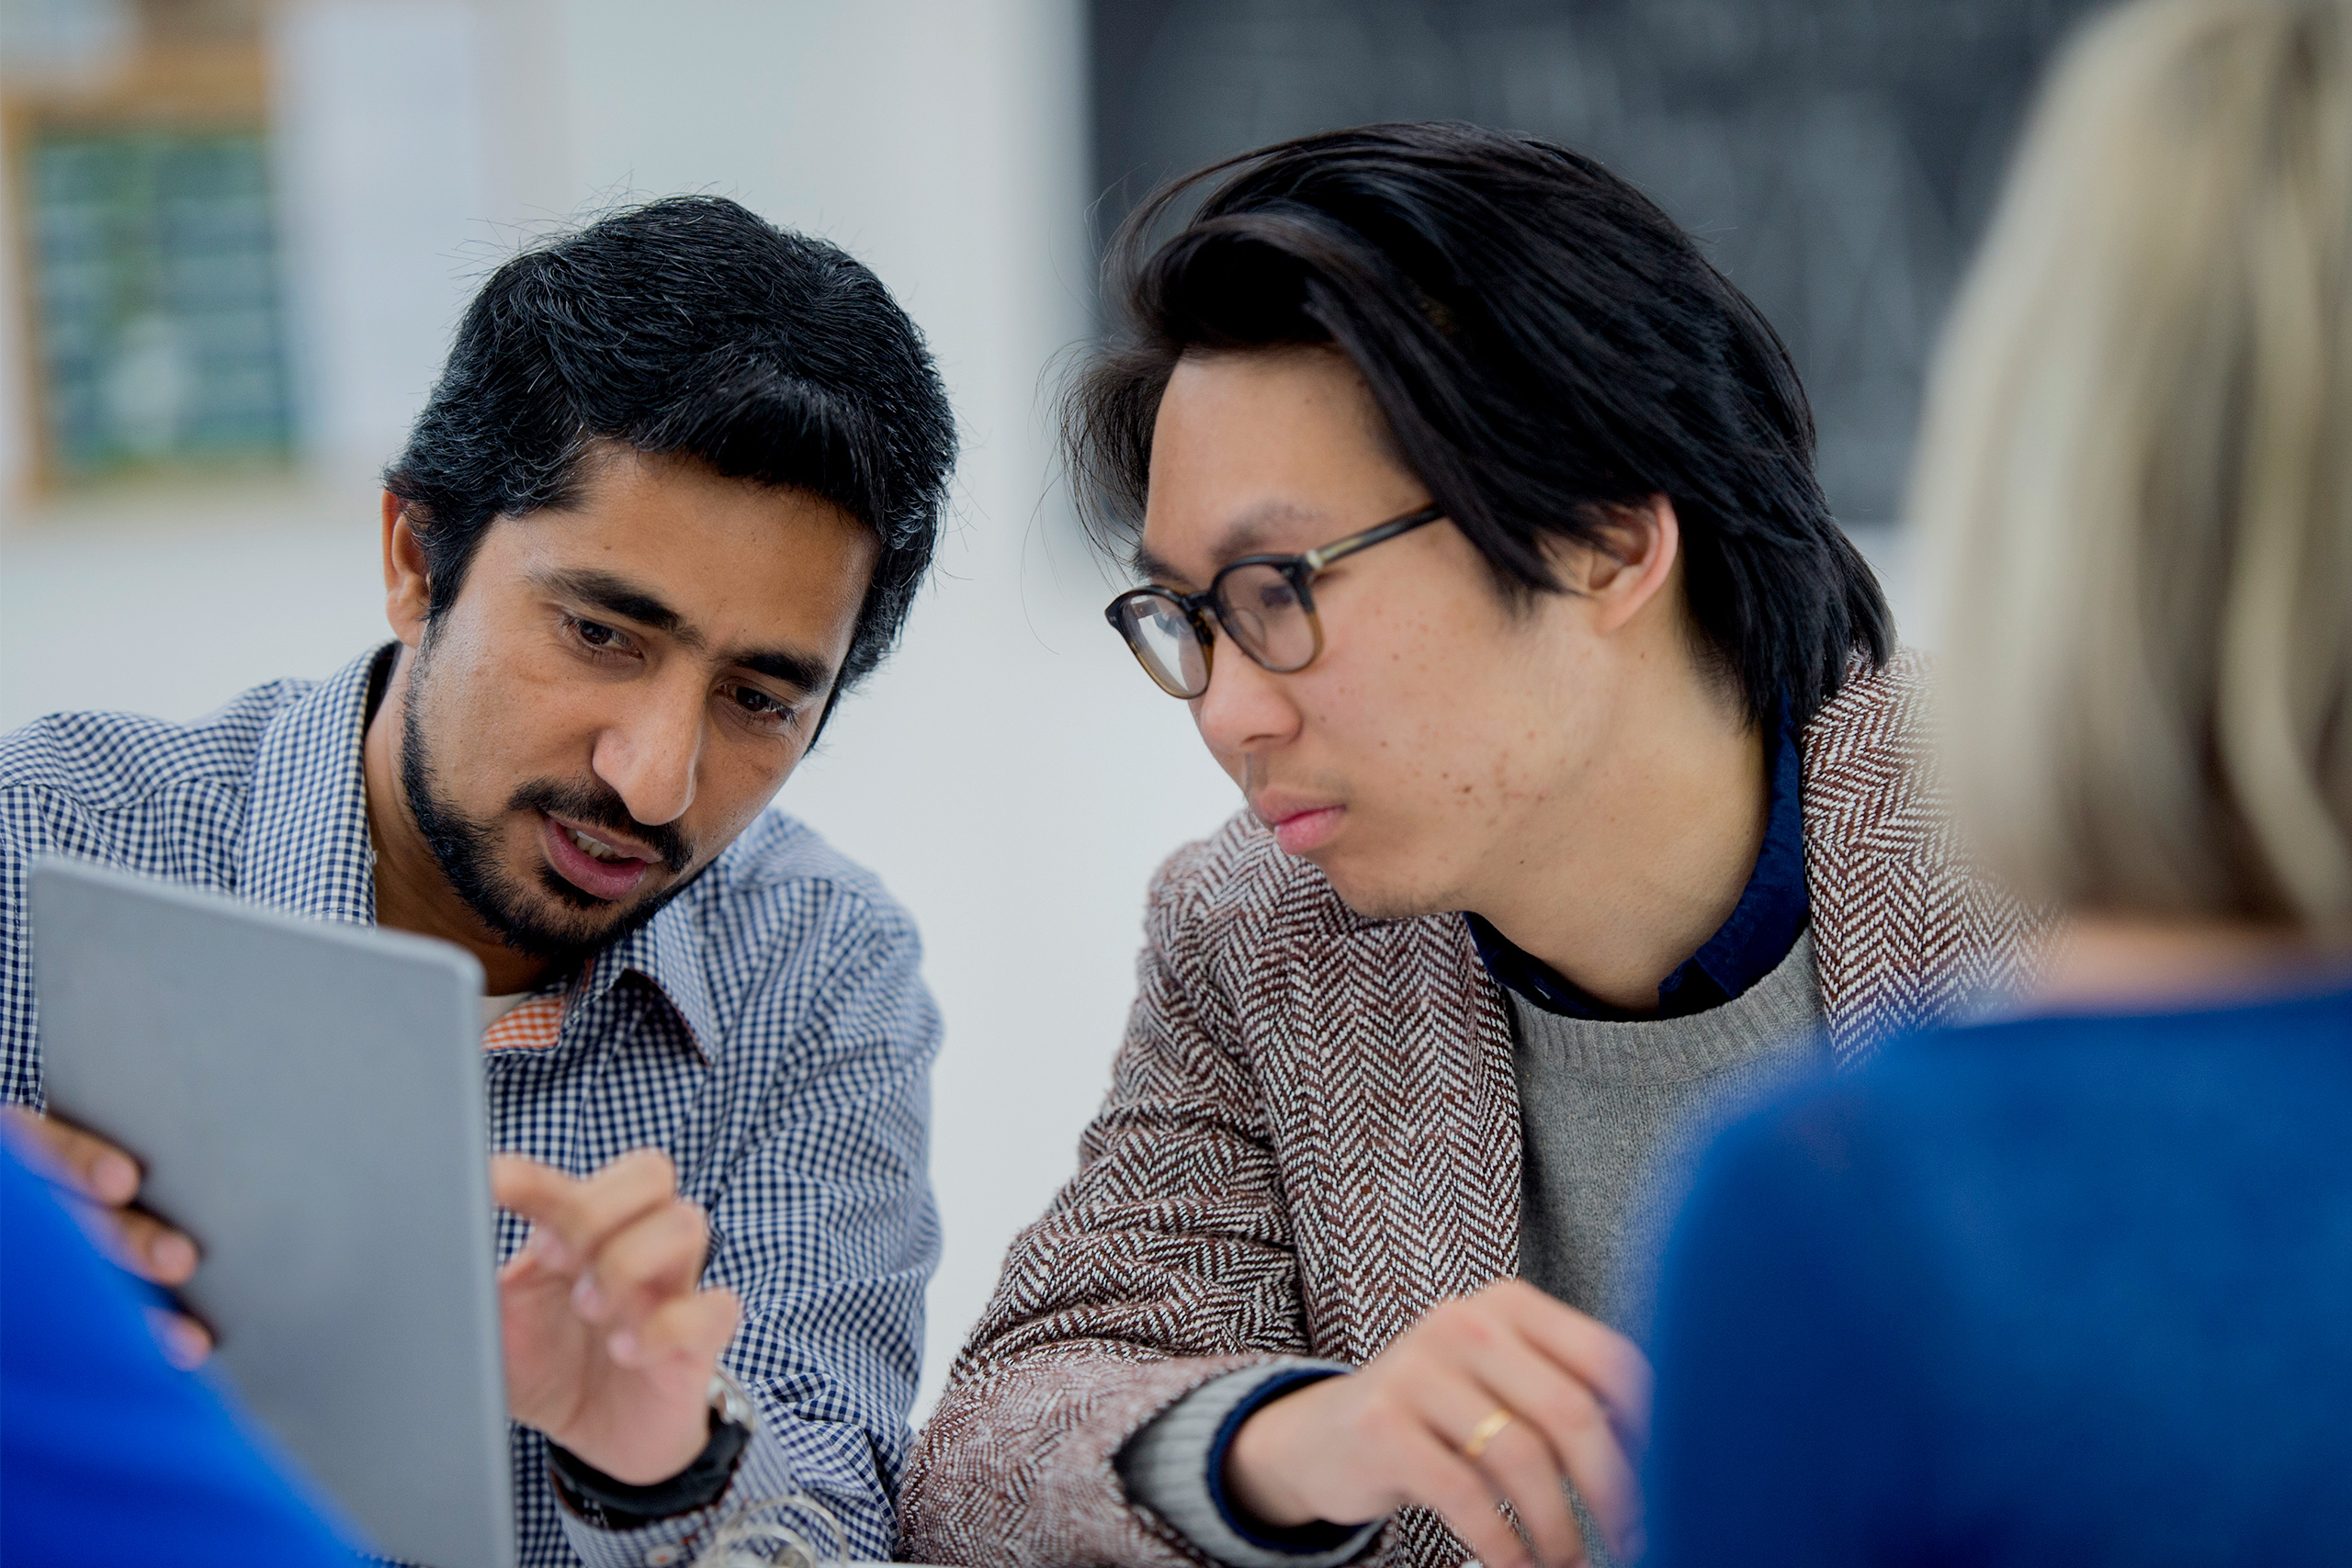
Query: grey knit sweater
{"type": "Point", "coordinates": [1613, 1116]}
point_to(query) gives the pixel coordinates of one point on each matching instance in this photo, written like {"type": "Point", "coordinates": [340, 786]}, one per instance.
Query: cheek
{"type": "Point", "coordinates": [505, 709]}
{"type": "Point", "coordinates": [1396, 702]}
{"type": "Point", "coordinates": [1433, 724]}
{"type": "Point", "coordinates": [736, 785]}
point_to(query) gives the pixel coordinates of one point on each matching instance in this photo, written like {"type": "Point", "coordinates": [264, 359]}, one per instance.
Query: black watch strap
{"type": "Point", "coordinates": [609, 1505]}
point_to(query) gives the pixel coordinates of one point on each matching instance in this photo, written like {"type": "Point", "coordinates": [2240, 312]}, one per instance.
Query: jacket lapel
{"type": "Point", "coordinates": [1404, 1154]}
{"type": "Point", "coordinates": [1905, 933]}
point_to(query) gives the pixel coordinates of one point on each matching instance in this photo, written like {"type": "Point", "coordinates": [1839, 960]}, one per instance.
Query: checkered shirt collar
{"type": "Point", "coordinates": [307, 848]}
{"type": "Point", "coordinates": [668, 954]}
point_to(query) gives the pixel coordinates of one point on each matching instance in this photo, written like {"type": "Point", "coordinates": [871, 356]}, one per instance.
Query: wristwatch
{"type": "Point", "coordinates": [605, 1503]}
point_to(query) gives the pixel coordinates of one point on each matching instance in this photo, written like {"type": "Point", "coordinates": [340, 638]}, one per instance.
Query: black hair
{"type": "Point", "coordinates": [687, 326]}
{"type": "Point", "coordinates": [1547, 348]}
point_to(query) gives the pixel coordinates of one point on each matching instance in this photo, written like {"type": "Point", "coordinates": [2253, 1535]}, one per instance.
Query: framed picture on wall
{"type": "Point", "coordinates": [149, 275]}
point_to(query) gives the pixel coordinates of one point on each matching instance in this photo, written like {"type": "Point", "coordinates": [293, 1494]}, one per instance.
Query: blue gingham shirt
{"type": "Point", "coordinates": [768, 1030]}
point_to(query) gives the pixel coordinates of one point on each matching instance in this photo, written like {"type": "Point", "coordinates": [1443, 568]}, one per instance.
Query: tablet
{"type": "Point", "coordinates": [308, 1101]}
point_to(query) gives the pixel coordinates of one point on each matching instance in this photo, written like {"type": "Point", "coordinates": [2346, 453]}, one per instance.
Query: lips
{"type": "Point", "coordinates": [1300, 828]}
{"type": "Point", "coordinates": [612, 878]}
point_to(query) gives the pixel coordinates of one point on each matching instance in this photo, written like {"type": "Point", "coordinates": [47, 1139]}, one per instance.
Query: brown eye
{"type": "Point", "coordinates": [597, 636]}
{"type": "Point", "coordinates": [758, 703]}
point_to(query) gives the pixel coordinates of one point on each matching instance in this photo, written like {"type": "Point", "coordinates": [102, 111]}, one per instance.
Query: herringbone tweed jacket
{"type": "Point", "coordinates": [1312, 1137]}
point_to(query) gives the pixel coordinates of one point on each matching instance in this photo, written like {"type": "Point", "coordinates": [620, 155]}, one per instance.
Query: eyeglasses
{"type": "Point", "coordinates": [1264, 603]}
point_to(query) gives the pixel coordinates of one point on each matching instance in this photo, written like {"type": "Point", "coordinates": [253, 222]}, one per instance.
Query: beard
{"type": "Point", "coordinates": [558, 921]}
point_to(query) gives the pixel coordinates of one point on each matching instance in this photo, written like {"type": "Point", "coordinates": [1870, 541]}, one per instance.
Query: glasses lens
{"type": "Point", "coordinates": [1162, 634]}
{"type": "Point", "coordinates": [1263, 612]}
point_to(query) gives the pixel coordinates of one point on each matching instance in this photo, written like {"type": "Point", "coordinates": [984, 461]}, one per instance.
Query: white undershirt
{"type": "Point", "coordinates": [495, 1007]}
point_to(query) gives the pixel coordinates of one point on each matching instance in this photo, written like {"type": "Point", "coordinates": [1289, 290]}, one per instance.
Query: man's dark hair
{"type": "Point", "coordinates": [1546, 346]}
{"type": "Point", "coordinates": [688, 327]}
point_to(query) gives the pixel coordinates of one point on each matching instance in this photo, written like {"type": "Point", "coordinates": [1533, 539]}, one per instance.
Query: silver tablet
{"type": "Point", "coordinates": [308, 1101]}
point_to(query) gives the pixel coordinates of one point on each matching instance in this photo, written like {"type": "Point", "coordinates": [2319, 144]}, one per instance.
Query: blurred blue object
{"type": "Point", "coordinates": [2059, 1290]}
{"type": "Point", "coordinates": [108, 1452]}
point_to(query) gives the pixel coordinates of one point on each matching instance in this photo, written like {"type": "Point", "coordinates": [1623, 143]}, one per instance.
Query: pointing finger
{"type": "Point", "coordinates": [657, 1256]}
{"type": "Point", "coordinates": [689, 1329]}
{"type": "Point", "coordinates": [583, 1214]}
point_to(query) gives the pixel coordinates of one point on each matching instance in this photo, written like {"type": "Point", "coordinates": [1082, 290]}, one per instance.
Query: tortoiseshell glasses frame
{"type": "Point", "coordinates": [1265, 604]}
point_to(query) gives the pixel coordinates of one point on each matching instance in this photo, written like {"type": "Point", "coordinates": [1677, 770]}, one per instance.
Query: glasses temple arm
{"type": "Point", "coordinates": [1378, 534]}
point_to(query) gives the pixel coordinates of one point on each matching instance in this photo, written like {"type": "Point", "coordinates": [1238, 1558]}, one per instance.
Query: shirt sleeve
{"type": "Point", "coordinates": [823, 1224]}
{"type": "Point", "coordinates": [34, 822]}
{"type": "Point", "coordinates": [764, 1473]}
{"type": "Point", "coordinates": [1175, 1467]}
{"type": "Point", "coordinates": [1793, 1421]}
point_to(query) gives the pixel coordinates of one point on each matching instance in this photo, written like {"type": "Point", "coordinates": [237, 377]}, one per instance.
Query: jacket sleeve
{"type": "Point", "coordinates": [1165, 1263]}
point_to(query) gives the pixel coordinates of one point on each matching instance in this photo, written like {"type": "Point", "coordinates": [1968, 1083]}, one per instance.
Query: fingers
{"type": "Point", "coordinates": [580, 1216]}
{"type": "Point", "coordinates": [1594, 1354]}
{"type": "Point", "coordinates": [1463, 1497]}
{"type": "Point", "coordinates": [687, 1329]}
{"type": "Point", "coordinates": [1513, 1350]}
{"type": "Point", "coordinates": [630, 1244]}
{"type": "Point", "coordinates": [109, 1179]}
{"type": "Point", "coordinates": [1560, 1428]}
{"type": "Point", "coordinates": [94, 1166]}
{"type": "Point", "coordinates": [185, 1342]}
{"type": "Point", "coordinates": [657, 1256]}
{"type": "Point", "coordinates": [151, 1249]}
{"type": "Point", "coordinates": [1527, 1460]}
{"type": "Point", "coordinates": [1517, 1463]}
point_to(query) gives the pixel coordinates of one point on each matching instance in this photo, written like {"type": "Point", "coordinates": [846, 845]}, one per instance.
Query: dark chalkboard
{"type": "Point", "coordinates": [1835, 157]}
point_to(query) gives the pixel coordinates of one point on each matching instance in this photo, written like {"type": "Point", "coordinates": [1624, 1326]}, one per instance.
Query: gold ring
{"type": "Point", "coordinates": [1475, 1446]}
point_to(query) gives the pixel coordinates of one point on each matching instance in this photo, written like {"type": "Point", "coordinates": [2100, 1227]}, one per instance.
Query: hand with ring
{"type": "Point", "coordinates": [1506, 1396]}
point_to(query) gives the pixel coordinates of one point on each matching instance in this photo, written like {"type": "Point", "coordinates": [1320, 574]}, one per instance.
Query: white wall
{"type": "Point", "coordinates": [1011, 774]}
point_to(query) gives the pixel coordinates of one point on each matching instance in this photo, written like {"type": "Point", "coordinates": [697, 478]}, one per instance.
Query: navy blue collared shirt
{"type": "Point", "coordinates": [1750, 945]}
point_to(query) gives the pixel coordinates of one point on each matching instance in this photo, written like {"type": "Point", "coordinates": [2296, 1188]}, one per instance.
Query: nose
{"type": "Point", "coordinates": [1246, 709]}
{"type": "Point", "coordinates": [652, 753]}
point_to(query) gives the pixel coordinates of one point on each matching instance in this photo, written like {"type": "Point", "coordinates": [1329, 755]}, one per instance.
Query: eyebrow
{"type": "Point", "coordinates": [1151, 569]}
{"type": "Point", "coordinates": [1244, 535]}
{"type": "Point", "coordinates": [616, 595]}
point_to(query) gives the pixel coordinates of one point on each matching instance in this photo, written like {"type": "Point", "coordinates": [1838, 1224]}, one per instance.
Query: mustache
{"type": "Point", "coordinates": [595, 805]}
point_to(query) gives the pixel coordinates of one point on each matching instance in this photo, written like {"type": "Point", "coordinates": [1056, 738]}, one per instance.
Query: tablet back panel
{"type": "Point", "coordinates": [308, 1101]}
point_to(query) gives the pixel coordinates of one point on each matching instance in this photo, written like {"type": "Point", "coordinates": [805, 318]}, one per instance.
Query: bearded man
{"type": "Point", "coordinates": [670, 496]}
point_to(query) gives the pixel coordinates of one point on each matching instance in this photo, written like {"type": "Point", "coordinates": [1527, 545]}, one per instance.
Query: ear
{"type": "Point", "coordinates": [408, 588]}
{"type": "Point", "coordinates": [1630, 567]}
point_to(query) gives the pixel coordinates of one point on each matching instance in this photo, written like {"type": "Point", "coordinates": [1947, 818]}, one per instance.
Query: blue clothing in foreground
{"type": "Point", "coordinates": [2061, 1290]}
{"type": "Point", "coordinates": [108, 1452]}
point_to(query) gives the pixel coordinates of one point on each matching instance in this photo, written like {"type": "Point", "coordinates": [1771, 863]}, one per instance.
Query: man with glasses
{"type": "Point", "coordinates": [1585, 803]}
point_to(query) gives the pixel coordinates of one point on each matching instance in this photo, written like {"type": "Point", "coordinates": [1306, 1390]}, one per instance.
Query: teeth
{"type": "Point", "coordinates": [596, 849]}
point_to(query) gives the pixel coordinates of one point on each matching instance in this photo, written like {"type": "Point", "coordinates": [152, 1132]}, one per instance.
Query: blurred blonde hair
{"type": "Point", "coordinates": [2135, 476]}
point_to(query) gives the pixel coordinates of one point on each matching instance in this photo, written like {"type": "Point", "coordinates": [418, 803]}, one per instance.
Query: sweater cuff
{"type": "Point", "coordinates": [1175, 1467]}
